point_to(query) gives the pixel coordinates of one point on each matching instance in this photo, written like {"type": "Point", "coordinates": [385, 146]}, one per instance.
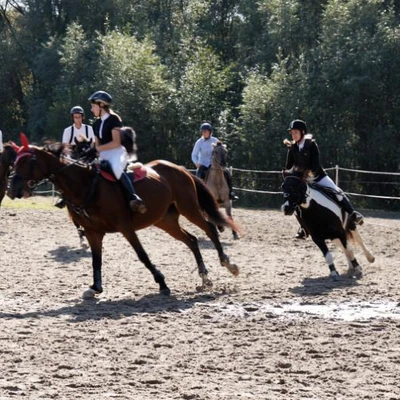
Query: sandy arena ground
{"type": "Point", "coordinates": [281, 330]}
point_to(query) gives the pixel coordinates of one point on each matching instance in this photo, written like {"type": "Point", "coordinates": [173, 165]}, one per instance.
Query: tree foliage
{"type": "Point", "coordinates": [247, 67]}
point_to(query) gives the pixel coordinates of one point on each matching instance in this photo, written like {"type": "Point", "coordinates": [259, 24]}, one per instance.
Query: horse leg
{"type": "Point", "coordinates": [228, 210]}
{"type": "Point", "coordinates": [170, 224]}
{"type": "Point", "coordinates": [328, 257]}
{"type": "Point", "coordinates": [211, 231]}
{"type": "Point", "coordinates": [144, 258]}
{"type": "Point", "coordinates": [81, 234]}
{"type": "Point", "coordinates": [358, 239]}
{"type": "Point", "coordinates": [95, 240]}
{"type": "Point", "coordinates": [354, 270]}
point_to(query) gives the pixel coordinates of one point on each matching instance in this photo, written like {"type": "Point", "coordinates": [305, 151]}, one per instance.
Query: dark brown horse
{"type": "Point", "coordinates": [216, 181]}
{"type": "Point", "coordinates": [7, 158]}
{"type": "Point", "coordinates": [100, 206]}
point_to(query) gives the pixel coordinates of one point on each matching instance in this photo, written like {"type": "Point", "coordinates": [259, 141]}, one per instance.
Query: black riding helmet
{"type": "Point", "coordinates": [101, 97]}
{"type": "Point", "coordinates": [77, 110]}
{"type": "Point", "coordinates": [298, 124]}
{"type": "Point", "coordinates": [206, 127]}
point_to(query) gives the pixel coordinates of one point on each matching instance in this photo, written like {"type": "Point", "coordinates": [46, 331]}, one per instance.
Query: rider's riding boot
{"type": "Point", "coordinates": [135, 202]}
{"type": "Point", "coordinates": [354, 215]}
{"type": "Point", "coordinates": [232, 195]}
{"type": "Point", "coordinates": [60, 203]}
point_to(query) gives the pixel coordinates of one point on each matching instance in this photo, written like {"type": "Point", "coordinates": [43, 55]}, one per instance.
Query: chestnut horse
{"type": "Point", "coordinates": [100, 206]}
{"type": "Point", "coordinates": [7, 158]}
{"type": "Point", "coordinates": [216, 182]}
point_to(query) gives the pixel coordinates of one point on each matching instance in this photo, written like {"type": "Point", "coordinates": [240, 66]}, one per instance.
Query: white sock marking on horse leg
{"type": "Point", "coordinates": [329, 258]}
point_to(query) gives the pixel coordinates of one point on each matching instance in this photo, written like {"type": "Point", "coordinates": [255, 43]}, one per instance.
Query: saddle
{"type": "Point", "coordinates": [326, 191]}
{"type": "Point", "coordinates": [136, 170]}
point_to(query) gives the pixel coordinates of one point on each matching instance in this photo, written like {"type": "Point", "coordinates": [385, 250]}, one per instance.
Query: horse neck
{"type": "Point", "coordinates": [73, 180]}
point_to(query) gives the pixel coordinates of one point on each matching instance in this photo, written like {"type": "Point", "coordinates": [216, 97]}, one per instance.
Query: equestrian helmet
{"type": "Point", "coordinates": [206, 127]}
{"type": "Point", "coordinates": [101, 97]}
{"type": "Point", "coordinates": [77, 110]}
{"type": "Point", "coordinates": [298, 124]}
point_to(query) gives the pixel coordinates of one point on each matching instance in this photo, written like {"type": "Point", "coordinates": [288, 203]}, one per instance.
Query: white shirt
{"type": "Point", "coordinates": [77, 133]}
{"type": "Point", "coordinates": [1, 141]}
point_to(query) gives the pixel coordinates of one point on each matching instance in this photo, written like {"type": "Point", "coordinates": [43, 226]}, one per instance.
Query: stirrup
{"type": "Point", "coordinates": [357, 218]}
{"type": "Point", "coordinates": [232, 196]}
{"type": "Point", "coordinates": [138, 205]}
{"type": "Point", "coordinates": [60, 203]}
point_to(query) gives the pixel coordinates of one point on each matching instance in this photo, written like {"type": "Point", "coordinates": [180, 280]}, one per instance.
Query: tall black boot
{"type": "Point", "coordinates": [232, 195]}
{"type": "Point", "coordinates": [354, 215]}
{"type": "Point", "coordinates": [135, 202]}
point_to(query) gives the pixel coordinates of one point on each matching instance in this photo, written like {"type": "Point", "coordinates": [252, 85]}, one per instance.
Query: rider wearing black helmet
{"type": "Point", "coordinates": [303, 154]}
{"type": "Point", "coordinates": [202, 155]}
{"type": "Point", "coordinates": [108, 144]}
{"type": "Point", "coordinates": [78, 128]}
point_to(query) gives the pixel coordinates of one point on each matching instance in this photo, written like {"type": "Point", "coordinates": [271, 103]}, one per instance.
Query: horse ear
{"type": "Point", "coordinates": [14, 146]}
{"type": "Point", "coordinates": [24, 141]}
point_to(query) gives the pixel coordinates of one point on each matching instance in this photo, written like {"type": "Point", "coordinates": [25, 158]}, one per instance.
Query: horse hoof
{"type": "Point", "coordinates": [334, 275]}
{"type": "Point", "coordinates": [356, 273]}
{"type": "Point", "coordinates": [371, 259]}
{"type": "Point", "coordinates": [165, 292]}
{"type": "Point", "coordinates": [233, 269]}
{"type": "Point", "coordinates": [207, 283]}
{"type": "Point", "coordinates": [89, 294]}
{"type": "Point", "coordinates": [235, 236]}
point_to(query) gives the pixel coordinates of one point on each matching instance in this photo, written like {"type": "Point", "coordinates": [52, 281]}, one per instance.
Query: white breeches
{"type": "Point", "coordinates": [328, 182]}
{"type": "Point", "coordinates": [118, 159]}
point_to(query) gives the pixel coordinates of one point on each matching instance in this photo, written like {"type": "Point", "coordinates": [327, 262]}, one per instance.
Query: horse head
{"type": "Point", "coordinates": [83, 150]}
{"type": "Point", "coordinates": [29, 170]}
{"type": "Point", "coordinates": [294, 192]}
{"type": "Point", "coordinates": [219, 154]}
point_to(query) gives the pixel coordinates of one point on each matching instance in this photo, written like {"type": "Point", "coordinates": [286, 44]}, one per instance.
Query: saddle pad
{"type": "Point", "coordinates": [139, 174]}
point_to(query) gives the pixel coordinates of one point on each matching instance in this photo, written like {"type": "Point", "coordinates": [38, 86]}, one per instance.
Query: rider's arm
{"type": "Point", "coordinates": [113, 144]}
{"type": "Point", "coordinates": [195, 154]}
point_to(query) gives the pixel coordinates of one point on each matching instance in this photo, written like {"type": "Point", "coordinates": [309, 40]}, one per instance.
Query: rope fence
{"type": "Point", "coordinates": [48, 189]}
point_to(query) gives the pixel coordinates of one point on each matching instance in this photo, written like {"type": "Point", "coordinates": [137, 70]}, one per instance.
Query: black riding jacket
{"type": "Point", "coordinates": [306, 159]}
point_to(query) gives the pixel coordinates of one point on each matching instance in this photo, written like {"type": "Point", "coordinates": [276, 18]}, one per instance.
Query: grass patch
{"type": "Point", "coordinates": [32, 203]}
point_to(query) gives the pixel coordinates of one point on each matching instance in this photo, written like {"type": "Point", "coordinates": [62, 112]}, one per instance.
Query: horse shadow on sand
{"type": "Point", "coordinates": [323, 285]}
{"type": "Point", "coordinates": [68, 254]}
{"type": "Point", "coordinates": [97, 309]}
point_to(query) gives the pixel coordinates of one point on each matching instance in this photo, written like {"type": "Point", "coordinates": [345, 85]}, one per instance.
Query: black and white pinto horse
{"type": "Point", "coordinates": [323, 219]}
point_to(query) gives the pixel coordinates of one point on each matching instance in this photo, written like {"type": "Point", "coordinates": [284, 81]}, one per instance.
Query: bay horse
{"type": "Point", "coordinates": [323, 219]}
{"type": "Point", "coordinates": [216, 182]}
{"type": "Point", "coordinates": [100, 206]}
{"type": "Point", "coordinates": [7, 158]}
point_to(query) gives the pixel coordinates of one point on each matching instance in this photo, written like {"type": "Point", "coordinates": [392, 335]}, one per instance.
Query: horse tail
{"type": "Point", "coordinates": [209, 205]}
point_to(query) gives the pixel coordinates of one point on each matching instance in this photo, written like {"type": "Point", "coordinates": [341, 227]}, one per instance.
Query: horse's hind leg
{"type": "Point", "coordinates": [171, 225]}
{"type": "Point", "coordinates": [210, 229]}
{"type": "Point", "coordinates": [354, 268]}
{"type": "Point", "coordinates": [144, 258]}
{"type": "Point", "coordinates": [358, 239]}
{"type": "Point", "coordinates": [228, 210]}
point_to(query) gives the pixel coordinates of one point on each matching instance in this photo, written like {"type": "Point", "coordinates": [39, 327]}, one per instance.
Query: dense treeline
{"type": "Point", "coordinates": [248, 67]}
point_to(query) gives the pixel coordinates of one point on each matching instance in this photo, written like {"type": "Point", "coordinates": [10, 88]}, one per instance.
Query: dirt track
{"type": "Point", "coordinates": [281, 330]}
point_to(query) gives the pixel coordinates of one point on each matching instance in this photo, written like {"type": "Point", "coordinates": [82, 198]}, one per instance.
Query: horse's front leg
{"type": "Point", "coordinates": [95, 240]}
{"type": "Point", "coordinates": [334, 274]}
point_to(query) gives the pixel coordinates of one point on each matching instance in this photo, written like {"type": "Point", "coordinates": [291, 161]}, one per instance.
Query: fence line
{"type": "Point", "coordinates": [336, 169]}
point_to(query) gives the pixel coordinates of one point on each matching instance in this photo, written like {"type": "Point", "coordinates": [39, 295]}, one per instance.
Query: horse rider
{"type": "Point", "coordinates": [75, 131]}
{"type": "Point", "coordinates": [303, 154]}
{"type": "Point", "coordinates": [108, 144]}
{"type": "Point", "coordinates": [202, 156]}
{"type": "Point", "coordinates": [78, 129]}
